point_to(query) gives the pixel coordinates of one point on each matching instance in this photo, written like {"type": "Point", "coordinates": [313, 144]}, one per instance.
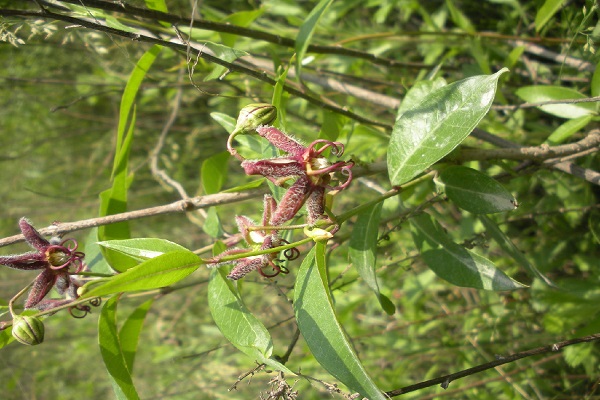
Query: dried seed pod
{"type": "Point", "coordinates": [28, 330]}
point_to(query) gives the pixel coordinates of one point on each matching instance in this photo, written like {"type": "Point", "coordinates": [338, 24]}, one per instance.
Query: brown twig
{"type": "Point", "coordinates": [446, 379]}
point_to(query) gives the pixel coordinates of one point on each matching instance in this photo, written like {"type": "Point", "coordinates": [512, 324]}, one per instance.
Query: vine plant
{"type": "Point", "coordinates": [434, 119]}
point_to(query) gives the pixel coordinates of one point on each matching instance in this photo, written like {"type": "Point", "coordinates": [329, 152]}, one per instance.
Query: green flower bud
{"type": "Point", "coordinates": [254, 115]}
{"type": "Point", "coordinates": [28, 330]}
{"type": "Point", "coordinates": [251, 117]}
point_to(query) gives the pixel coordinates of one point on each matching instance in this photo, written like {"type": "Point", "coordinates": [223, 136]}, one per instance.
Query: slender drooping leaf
{"type": "Point", "coordinates": [306, 31]}
{"type": "Point", "coordinates": [154, 273]}
{"type": "Point", "coordinates": [541, 93]}
{"type": "Point", "coordinates": [545, 12]}
{"type": "Point", "coordinates": [114, 200]}
{"type": "Point", "coordinates": [129, 334]}
{"type": "Point", "coordinates": [112, 354]}
{"type": "Point", "coordinates": [474, 191]}
{"type": "Point", "coordinates": [141, 249]}
{"type": "Point", "coordinates": [568, 129]}
{"type": "Point", "coordinates": [453, 262]}
{"type": "Point", "coordinates": [509, 248]}
{"type": "Point", "coordinates": [440, 122]}
{"type": "Point", "coordinates": [363, 251]}
{"type": "Point", "coordinates": [237, 323]}
{"type": "Point", "coordinates": [321, 330]}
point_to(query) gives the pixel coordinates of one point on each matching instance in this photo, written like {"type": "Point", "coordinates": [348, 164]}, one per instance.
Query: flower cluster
{"type": "Point", "coordinates": [313, 174]}
{"type": "Point", "coordinates": [54, 258]}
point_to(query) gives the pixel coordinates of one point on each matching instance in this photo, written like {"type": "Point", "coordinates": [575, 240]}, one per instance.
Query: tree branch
{"type": "Point", "coordinates": [446, 379]}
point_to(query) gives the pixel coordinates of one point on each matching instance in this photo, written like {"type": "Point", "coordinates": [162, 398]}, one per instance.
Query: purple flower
{"type": "Point", "coordinates": [54, 259]}
{"type": "Point", "coordinates": [312, 170]}
{"type": "Point", "coordinates": [257, 239]}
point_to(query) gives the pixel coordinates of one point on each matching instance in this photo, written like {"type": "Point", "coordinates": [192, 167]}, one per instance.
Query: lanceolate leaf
{"type": "Point", "coordinates": [141, 249]}
{"type": "Point", "coordinates": [320, 328]}
{"type": "Point", "coordinates": [129, 334]}
{"type": "Point", "coordinates": [541, 93]}
{"type": "Point", "coordinates": [112, 354]}
{"type": "Point", "coordinates": [453, 262]}
{"type": "Point", "coordinates": [440, 122]}
{"type": "Point", "coordinates": [363, 251]}
{"type": "Point", "coordinates": [474, 191]}
{"type": "Point", "coordinates": [237, 323]}
{"type": "Point", "coordinates": [508, 246]}
{"type": "Point", "coordinates": [155, 273]}
{"type": "Point", "coordinates": [306, 31]}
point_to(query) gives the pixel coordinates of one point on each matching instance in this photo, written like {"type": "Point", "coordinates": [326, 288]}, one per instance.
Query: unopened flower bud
{"type": "Point", "coordinates": [318, 234]}
{"type": "Point", "coordinates": [254, 115]}
{"type": "Point", "coordinates": [28, 330]}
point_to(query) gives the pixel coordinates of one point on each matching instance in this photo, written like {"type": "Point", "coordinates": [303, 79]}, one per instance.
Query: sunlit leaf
{"type": "Point", "coordinates": [321, 330]}
{"type": "Point", "coordinates": [154, 273]}
{"type": "Point", "coordinates": [453, 262]}
{"type": "Point", "coordinates": [306, 31]}
{"type": "Point", "coordinates": [113, 357]}
{"type": "Point", "coordinates": [440, 122]}
{"type": "Point", "coordinates": [237, 323]}
{"type": "Point", "coordinates": [142, 249]}
{"type": "Point", "coordinates": [363, 251]}
{"type": "Point", "coordinates": [568, 129]}
{"type": "Point", "coordinates": [541, 93]}
{"type": "Point", "coordinates": [474, 191]}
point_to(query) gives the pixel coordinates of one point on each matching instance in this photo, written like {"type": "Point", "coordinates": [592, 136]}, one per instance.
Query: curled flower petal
{"type": "Point", "coordinates": [32, 236]}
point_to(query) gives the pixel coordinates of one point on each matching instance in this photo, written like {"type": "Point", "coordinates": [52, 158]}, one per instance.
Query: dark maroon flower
{"type": "Point", "coordinates": [54, 258]}
{"type": "Point", "coordinates": [312, 170]}
{"type": "Point", "coordinates": [257, 239]}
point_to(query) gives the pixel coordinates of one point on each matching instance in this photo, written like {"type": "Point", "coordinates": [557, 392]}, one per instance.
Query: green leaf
{"type": "Point", "coordinates": [243, 188]}
{"type": "Point", "coordinates": [130, 333]}
{"type": "Point", "coordinates": [112, 354]}
{"type": "Point", "coordinates": [537, 94]}
{"type": "Point", "coordinates": [214, 172]}
{"type": "Point", "coordinates": [114, 200]}
{"type": "Point", "coordinates": [418, 92]}
{"type": "Point", "coordinates": [155, 273]}
{"type": "Point", "coordinates": [363, 251]}
{"type": "Point", "coordinates": [459, 18]}
{"type": "Point", "coordinates": [225, 53]}
{"type": "Point", "coordinates": [212, 224]}
{"type": "Point", "coordinates": [240, 18]}
{"type": "Point", "coordinates": [568, 129]}
{"type": "Point", "coordinates": [237, 323]}
{"type": "Point", "coordinates": [6, 337]}
{"type": "Point", "coordinates": [142, 249]}
{"type": "Point", "coordinates": [321, 330]}
{"type": "Point", "coordinates": [492, 229]}
{"type": "Point", "coordinates": [547, 11]}
{"type": "Point", "coordinates": [440, 122]}
{"type": "Point", "coordinates": [474, 191]}
{"type": "Point", "coordinates": [453, 262]}
{"type": "Point", "coordinates": [332, 125]}
{"type": "Point", "coordinates": [306, 31]}
{"type": "Point", "coordinates": [224, 120]}
{"type": "Point", "coordinates": [596, 81]}
{"type": "Point", "coordinates": [158, 5]}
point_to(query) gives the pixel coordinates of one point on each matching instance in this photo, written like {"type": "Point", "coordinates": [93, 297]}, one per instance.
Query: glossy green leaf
{"type": "Point", "coordinates": [237, 323]}
{"type": "Point", "coordinates": [537, 94]}
{"type": "Point", "coordinates": [418, 92]}
{"type": "Point", "coordinates": [547, 11]}
{"type": "Point", "coordinates": [129, 334]}
{"type": "Point", "coordinates": [306, 31]}
{"type": "Point", "coordinates": [363, 251]}
{"type": "Point", "coordinates": [154, 273]}
{"type": "Point", "coordinates": [494, 232]}
{"type": "Point", "coordinates": [474, 191]}
{"type": "Point", "coordinates": [440, 122]}
{"type": "Point", "coordinates": [113, 357]}
{"type": "Point", "coordinates": [321, 330]}
{"type": "Point", "coordinates": [142, 249]}
{"type": "Point", "coordinates": [214, 172]}
{"type": "Point", "coordinates": [568, 129]}
{"type": "Point", "coordinates": [453, 262]}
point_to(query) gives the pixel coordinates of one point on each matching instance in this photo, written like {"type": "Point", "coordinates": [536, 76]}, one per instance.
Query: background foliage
{"type": "Point", "coordinates": [61, 92]}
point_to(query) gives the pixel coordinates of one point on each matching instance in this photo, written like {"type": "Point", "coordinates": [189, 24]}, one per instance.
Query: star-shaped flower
{"type": "Point", "coordinates": [54, 258]}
